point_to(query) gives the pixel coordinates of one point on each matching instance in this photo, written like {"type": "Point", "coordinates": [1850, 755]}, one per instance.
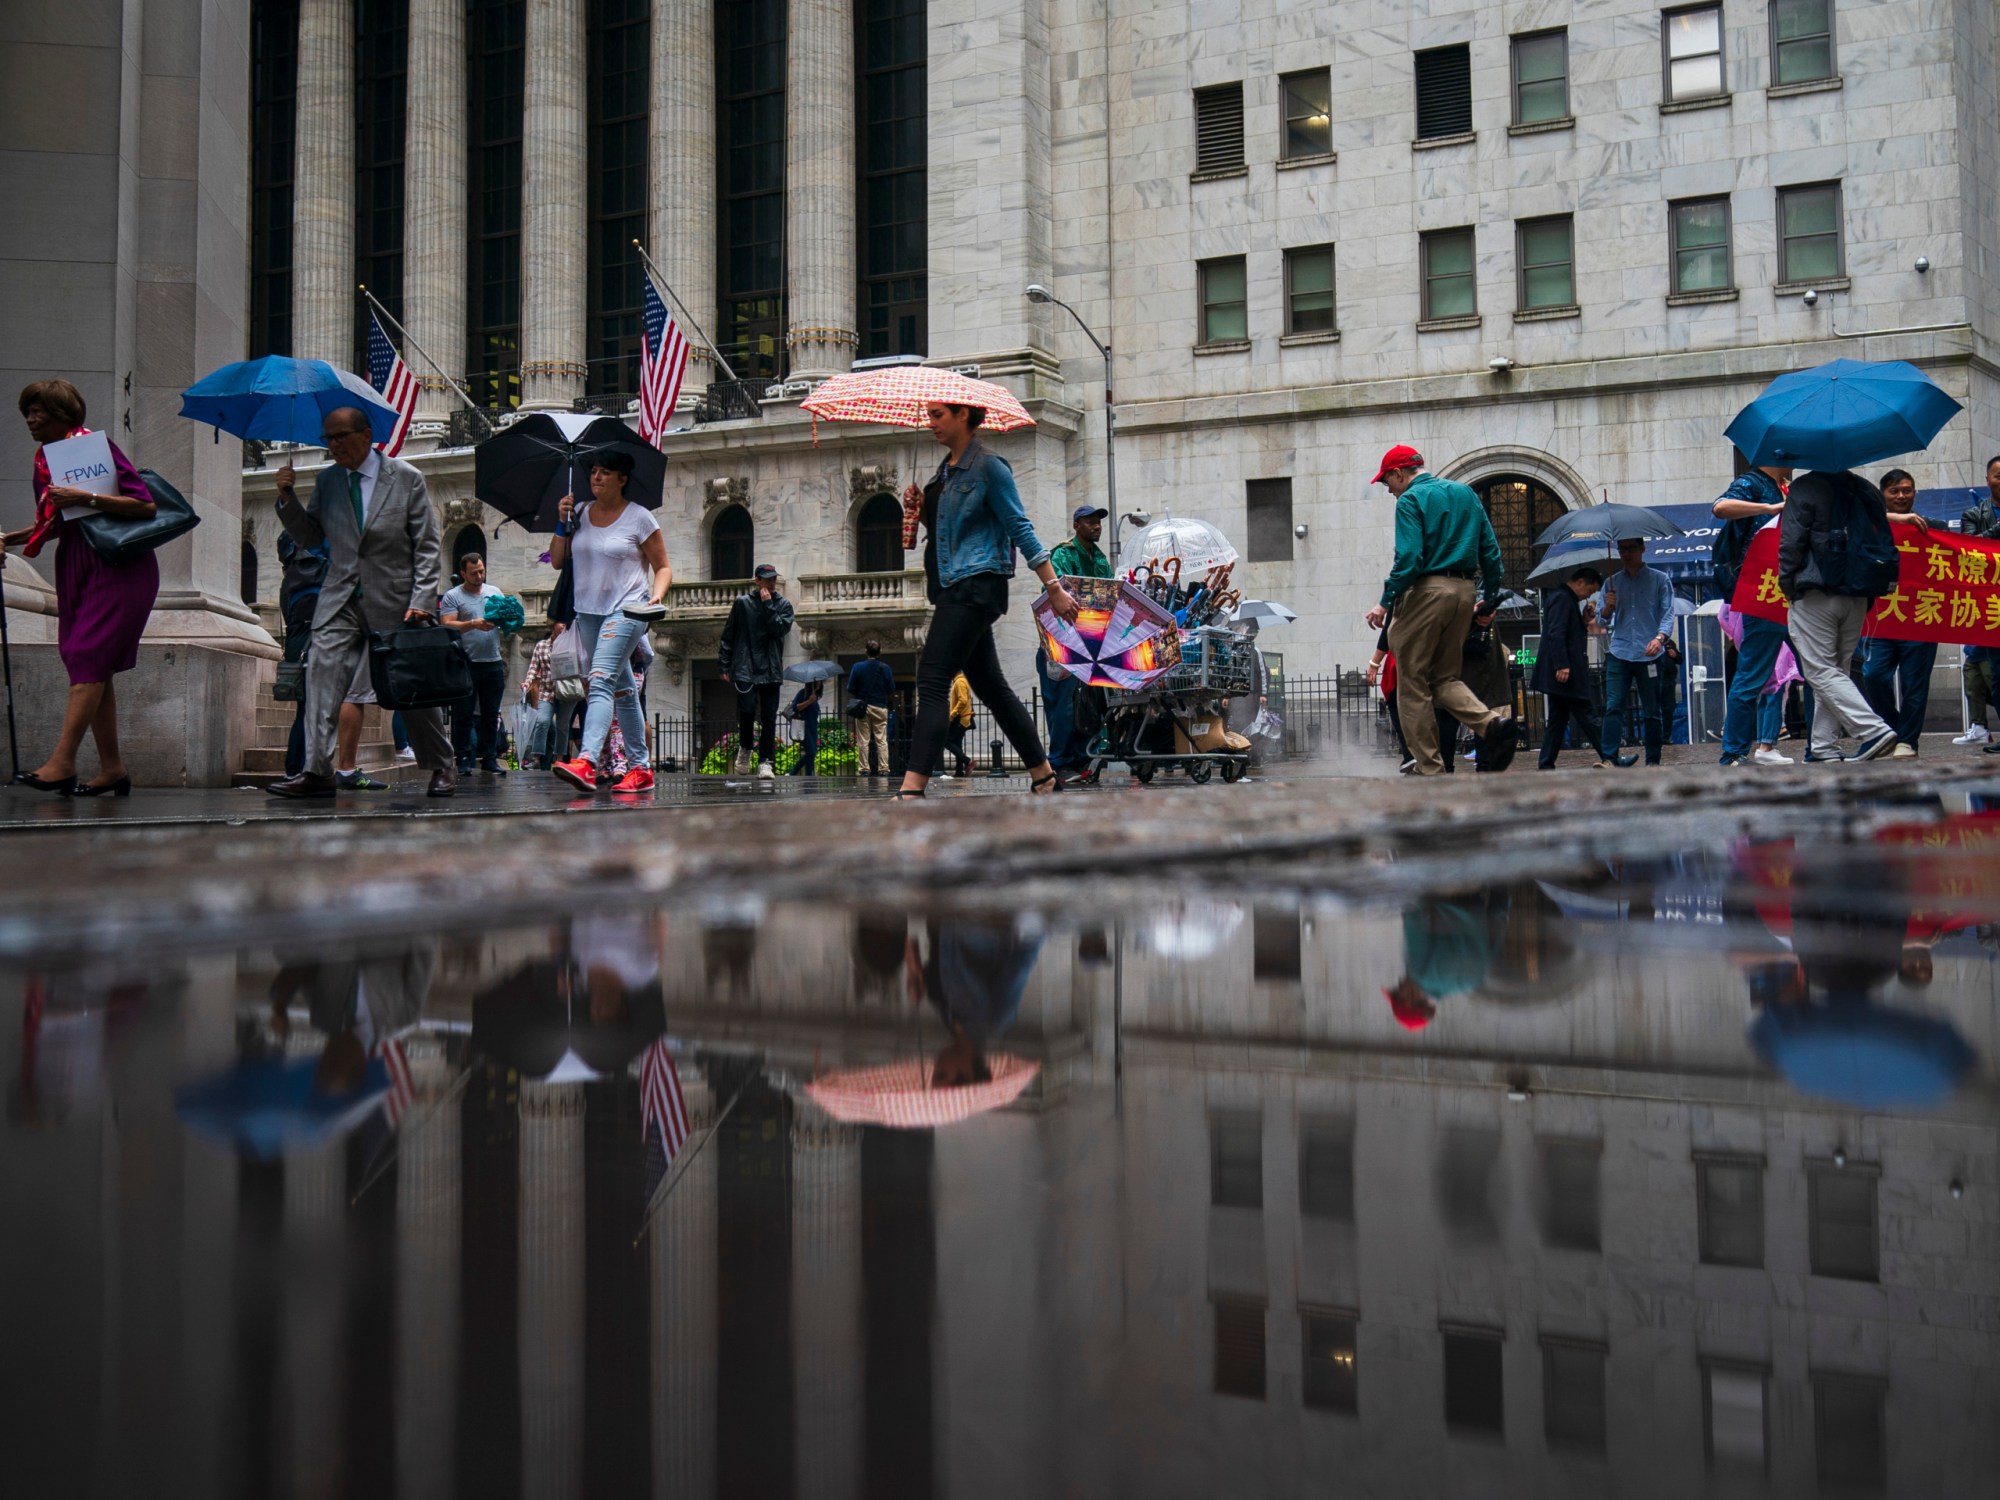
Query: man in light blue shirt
{"type": "Point", "coordinates": [1638, 609]}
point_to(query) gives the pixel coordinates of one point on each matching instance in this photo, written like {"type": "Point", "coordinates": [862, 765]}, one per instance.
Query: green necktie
{"type": "Point", "coordinates": [360, 519]}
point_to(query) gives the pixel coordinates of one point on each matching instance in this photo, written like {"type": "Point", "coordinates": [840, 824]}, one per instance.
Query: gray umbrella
{"type": "Point", "coordinates": [1264, 611]}
{"type": "Point", "coordinates": [812, 671]}
{"type": "Point", "coordinates": [1557, 566]}
{"type": "Point", "coordinates": [1605, 523]}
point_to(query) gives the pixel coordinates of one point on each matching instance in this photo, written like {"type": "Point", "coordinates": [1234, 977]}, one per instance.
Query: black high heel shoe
{"type": "Point", "coordinates": [122, 787]}
{"type": "Point", "coordinates": [62, 786]}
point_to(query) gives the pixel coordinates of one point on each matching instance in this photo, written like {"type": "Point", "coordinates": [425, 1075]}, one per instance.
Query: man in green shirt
{"type": "Point", "coordinates": [1444, 542]}
{"type": "Point", "coordinates": [1079, 557]}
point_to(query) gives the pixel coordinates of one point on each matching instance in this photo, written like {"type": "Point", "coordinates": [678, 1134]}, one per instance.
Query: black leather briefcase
{"type": "Point", "coordinates": [419, 666]}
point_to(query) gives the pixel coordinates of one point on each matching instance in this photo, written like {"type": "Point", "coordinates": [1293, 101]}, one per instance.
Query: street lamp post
{"type": "Point", "coordinates": [1040, 294]}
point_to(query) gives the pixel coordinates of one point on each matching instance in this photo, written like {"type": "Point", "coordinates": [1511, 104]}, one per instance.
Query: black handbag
{"type": "Point", "coordinates": [120, 539]}
{"type": "Point", "coordinates": [289, 686]}
{"type": "Point", "coordinates": [419, 666]}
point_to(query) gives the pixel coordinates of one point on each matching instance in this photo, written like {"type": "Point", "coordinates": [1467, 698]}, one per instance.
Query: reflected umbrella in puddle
{"type": "Point", "coordinates": [1864, 1055]}
{"type": "Point", "coordinates": [1189, 931]}
{"type": "Point", "coordinates": [585, 1012]}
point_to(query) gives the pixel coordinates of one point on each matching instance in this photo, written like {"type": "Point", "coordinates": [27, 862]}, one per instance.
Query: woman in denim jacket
{"type": "Point", "coordinates": [974, 524]}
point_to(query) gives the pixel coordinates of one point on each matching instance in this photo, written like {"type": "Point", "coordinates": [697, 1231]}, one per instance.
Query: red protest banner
{"type": "Point", "coordinates": [1948, 590]}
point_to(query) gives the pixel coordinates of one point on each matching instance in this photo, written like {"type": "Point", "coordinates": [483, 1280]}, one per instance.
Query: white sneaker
{"type": "Point", "coordinates": [743, 761]}
{"type": "Point", "coordinates": [766, 771]}
{"type": "Point", "coordinates": [408, 756]}
{"type": "Point", "coordinates": [1903, 752]}
{"type": "Point", "coordinates": [1766, 756]}
{"type": "Point", "coordinates": [1976, 735]}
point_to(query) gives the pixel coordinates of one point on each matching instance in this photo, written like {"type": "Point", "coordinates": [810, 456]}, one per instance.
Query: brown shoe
{"type": "Point", "coordinates": [305, 784]}
{"type": "Point", "coordinates": [444, 782]}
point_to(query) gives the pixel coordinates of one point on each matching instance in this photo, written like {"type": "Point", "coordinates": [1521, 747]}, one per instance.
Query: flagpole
{"type": "Point", "coordinates": [647, 261]}
{"type": "Point", "coordinates": [679, 1169]}
{"type": "Point", "coordinates": [457, 390]}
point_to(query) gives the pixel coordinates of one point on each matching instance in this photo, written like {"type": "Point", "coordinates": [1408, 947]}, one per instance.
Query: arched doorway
{"type": "Point", "coordinates": [1520, 509]}
{"type": "Point", "coordinates": [878, 536]}
{"type": "Point", "coordinates": [247, 585]}
{"type": "Point", "coordinates": [732, 544]}
{"type": "Point", "coordinates": [469, 540]}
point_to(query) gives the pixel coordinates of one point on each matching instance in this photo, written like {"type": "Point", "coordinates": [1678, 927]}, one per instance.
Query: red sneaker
{"type": "Point", "coordinates": [638, 779]}
{"type": "Point", "coordinates": [581, 772]}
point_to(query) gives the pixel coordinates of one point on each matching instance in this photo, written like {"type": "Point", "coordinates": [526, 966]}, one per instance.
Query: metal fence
{"type": "Point", "coordinates": [683, 743]}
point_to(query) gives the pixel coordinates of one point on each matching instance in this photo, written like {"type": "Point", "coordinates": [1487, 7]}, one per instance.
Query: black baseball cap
{"type": "Point", "coordinates": [765, 570]}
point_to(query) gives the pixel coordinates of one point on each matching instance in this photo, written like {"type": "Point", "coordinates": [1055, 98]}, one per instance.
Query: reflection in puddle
{"type": "Point", "coordinates": [1671, 1165]}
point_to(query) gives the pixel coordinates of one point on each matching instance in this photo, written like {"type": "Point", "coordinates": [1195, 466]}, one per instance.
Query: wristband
{"type": "Point", "coordinates": [562, 528]}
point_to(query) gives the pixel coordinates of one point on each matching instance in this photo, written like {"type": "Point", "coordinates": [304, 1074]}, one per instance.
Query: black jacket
{"type": "Point", "coordinates": [753, 642]}
{"type": "Point", "coordinates": [1565, 643]}
{"type": "Point", "coordinates": [1813, 508]}
{"type": "Point", "coordinates": [1981, 519]}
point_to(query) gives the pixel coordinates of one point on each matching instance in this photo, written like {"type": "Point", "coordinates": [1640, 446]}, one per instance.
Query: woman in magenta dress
{"type": "Point", "coordinates": [101, 607]}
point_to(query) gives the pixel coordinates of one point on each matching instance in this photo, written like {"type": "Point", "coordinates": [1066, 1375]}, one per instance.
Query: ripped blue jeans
{"type": "Point", "coordinates": [613, 689]}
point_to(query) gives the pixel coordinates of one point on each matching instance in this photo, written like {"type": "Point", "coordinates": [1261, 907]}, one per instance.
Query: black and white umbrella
{"type": "Point", "coordinates": [525, 469]}
{"type": "Point", "coordinates": [1264, 612]}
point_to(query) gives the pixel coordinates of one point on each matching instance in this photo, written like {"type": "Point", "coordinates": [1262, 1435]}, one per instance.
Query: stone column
{"type": "Point", "coordinates": [434, 229]}
{"type": "Point", "coordinates": [551, 1288]}
{"type": "Point", "coordinates": [428, 1195]}
{"type": "Point", "coordinates": [555, 234]}
{"type": "Point", "coordinates": [819, 188]}
{"type": "Point", "coordinates": [827, 1349]}
{"type": "Point", "coordinates": [323, 186]}
{"type": "Point", "coordinates": [682, 1247]}
{"type": "Point", "coordinates": [681, 160]}
{"type": "Point", "coordinates": [314, 1367]}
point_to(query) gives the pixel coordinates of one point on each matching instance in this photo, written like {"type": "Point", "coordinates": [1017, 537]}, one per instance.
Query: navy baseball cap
{"type": "Point", "coordinates": [765, 570]}
{"type": "Point", "coordinates": [1089, 513]}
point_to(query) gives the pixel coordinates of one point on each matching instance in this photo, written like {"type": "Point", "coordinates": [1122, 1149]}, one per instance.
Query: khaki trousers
{"type": "Point", "coordinates": [1427, 637]}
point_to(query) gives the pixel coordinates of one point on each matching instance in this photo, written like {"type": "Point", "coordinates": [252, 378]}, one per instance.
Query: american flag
{"type": "Point", "coordinates": [389, 375]}
{"type": "Point", "coordinates": [663, 357]}
{"type": "Point", "coordinates": [660, 1100]}
{"type": "Point", "coordinates": [401, 1091]}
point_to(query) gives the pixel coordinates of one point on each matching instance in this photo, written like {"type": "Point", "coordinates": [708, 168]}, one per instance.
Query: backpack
{"type": "Point", "coordinates": [1732, 545]}
{"type": "Point", "coordinates": [1856, 554]}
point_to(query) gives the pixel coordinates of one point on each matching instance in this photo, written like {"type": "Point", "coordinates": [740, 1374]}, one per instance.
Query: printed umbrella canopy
{"type": "Point", "coordinates": [1121, 638]}
{"type": "Point", "coordinates": [900, 1094]}
{"type": "Point", "coordinates": [901, 396]}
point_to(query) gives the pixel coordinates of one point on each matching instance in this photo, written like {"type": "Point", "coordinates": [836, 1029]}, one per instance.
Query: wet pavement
{"type": "Point", "coordinates": [1585, 1134]}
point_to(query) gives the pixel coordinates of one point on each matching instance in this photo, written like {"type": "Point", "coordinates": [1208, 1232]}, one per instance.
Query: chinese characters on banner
{"type": "Point", "coordinates": [1949, 589]}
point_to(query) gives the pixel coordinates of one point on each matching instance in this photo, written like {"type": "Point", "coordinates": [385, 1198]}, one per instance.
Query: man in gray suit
{"type": "Point", "coordinates": [374, 517]}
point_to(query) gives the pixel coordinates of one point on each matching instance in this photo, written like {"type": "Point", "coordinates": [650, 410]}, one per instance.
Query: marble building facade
{"type": "Point", "coordinates": [1065, 144]}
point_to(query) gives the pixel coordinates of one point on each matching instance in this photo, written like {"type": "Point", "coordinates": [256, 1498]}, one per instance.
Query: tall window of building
{"type": "Point", "coordinates": [1468, 1160]}
{"type": "Point", "coordinates": [1849, 1449]}
{"type": "Point", "coordinates": [891, 155]}
{"type": "Point", "coordinates": [1692, 43]}
{"type": "Point", "coordinates": [1326, 1167]}
{"type": "Point", "coordinates": [1444, 91]}
{"type": "Point", "coordinates": [1729, 1199]}
{"type": "Point", "coordinates": [1541, 77]}
{"type": "Point", "coordinates": [274, 77]}
{"type": "Point", "coordinates": [1274, 935]}
{"type": "Point", "coordinates": [619, 39]}
{"type": "Point", "coordinates": [1268, 503]}
{"type": "Point", "coordinates": [1801, 40]}
{"type": "Point", "coordinates": [1573, 1395]}
{"type": "Point", "coordinates": [750, 160]}
{"type": "Point", "coordinates": [382, 66]}
{"type": "Point", "coordinates": [1450, 286]}
{"type": "Point", "coordinates": [498, 34]}
{"type": "Point", "coordinates": [1474, 1394]}
{"type": "Point", "coordinates": [1733, 1415]}
{"type": "Point", "coordinates": [1308, 100]}
{"type": "Point", "coordinates": [732, 541]}
{"type": "Point", "coordinates": [1330, 1383]}
{"type": "Point", "coordinates": [1809, 247]}
{"type": "Point", "coordinates": [878, 536]}
{"type": "Point", "coordinates": [1239, 1347]}
{"type": "Point", "coordinates": [1520, 510]}
{"type": "Point", "coordinates": [1699, 229]}
{"type": "Point", "coordinates": [1569, 1192]}
{"type": "Point", "coordinates": [1225, 308]}
{"type": "Point", "coordinates": [1545, 250]}
{"type": "Point", "coordinates": [1309, 290]}
{"type": "Point", "coordinates": [1840, 1207]}
{"type": "Point", "coordinates": [1236, 1158]}
{"type": "Point", "coordinates": [1218, 128]}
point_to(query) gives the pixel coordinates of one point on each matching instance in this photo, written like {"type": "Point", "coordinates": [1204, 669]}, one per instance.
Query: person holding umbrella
{"type": "Point", "coordinates": [619, 575]}
{"type": "Point", "coordinates": [804, 711]}
{"type": "Point", "coordinates": [1639, 612]}
{"type": "Point", "coordinates": [1562, 669]}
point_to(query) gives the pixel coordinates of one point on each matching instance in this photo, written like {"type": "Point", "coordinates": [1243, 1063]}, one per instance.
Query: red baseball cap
{"type": "Point", "coordinates": [1402, 456]}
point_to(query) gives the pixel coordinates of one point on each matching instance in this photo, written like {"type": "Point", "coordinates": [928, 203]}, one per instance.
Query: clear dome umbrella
{"type": "Point", "coordinates": [1197, 544]}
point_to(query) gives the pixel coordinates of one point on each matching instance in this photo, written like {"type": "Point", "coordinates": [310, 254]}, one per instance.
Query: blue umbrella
{"type": "Point", "coordinates": [1863, 1055]}
{"type": "Point", "coordinates": [280, 400]}
{"type": "Point", "coordinates": [267, 1106]}
{"type": "Point", "coordinates": [1843, 414]}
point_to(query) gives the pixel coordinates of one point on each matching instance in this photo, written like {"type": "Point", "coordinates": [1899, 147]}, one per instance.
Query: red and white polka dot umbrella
{"type": "Point", "coordinates": [901, 396]}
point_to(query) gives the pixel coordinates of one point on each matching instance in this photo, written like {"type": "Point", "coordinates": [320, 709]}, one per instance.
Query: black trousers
{"type": "Point", "coordinates": [757, 717]}
{"type": "Point", "coordinates": [961, 640]}
{"type": "Point", "coordinates": [477, 716]}
{"type": "Point", "coordinates": [1563, 712]}
{"type": "Point", "coordinates": [954, 741]}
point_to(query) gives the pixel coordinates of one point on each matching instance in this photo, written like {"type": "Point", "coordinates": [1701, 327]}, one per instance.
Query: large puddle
{"type": "Point", "coordinates": [1670, 1174]}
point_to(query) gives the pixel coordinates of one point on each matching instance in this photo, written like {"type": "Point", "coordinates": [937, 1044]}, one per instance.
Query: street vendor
{"type": "Point", "coordinates": [1079, 557]}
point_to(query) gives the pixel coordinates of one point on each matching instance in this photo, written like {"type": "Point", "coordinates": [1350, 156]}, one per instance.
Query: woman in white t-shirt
{"type": "Point", "coordinates": [618, 561]}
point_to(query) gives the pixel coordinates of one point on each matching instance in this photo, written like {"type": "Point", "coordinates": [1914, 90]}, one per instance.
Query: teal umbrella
{"type": "Point", "coordinates": [1842, 414]}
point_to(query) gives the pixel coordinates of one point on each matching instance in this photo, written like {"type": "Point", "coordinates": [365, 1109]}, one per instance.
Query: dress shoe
{"type": "Point", "coordinates": [305, 784]}
{"type": "Point", "coordinates": [62, 786]}
{"type": "Point", "coordinates": [444, 783]}
{"type": "Point", "coordinates": [1497, 745]}
{"type": "Point", "coordinates": [122, 787]}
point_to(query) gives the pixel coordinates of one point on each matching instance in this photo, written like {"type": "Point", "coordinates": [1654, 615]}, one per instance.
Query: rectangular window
{"type": "Point", "coordinates": [274, 76]}
{"type": "Point", "coordinates": [1546, 250]}
{"type": "Point", "coordinates": [1269, 534]}
{"type": "Point", "coordinates": [1218, 128]}
{"type": "Point", "coordinates": [1573, 1395]}
{"type": "Point", "coordinates": [1729, 1195]}
{"type": "Point", "coordinates": [1569, 1179]}
{"type": "Point", "coordinates": [1541, 77]}
{"type": "Point", "coordinates": [1329, 1360]}
{"type": "Point", "coordinates": [1473, 1388]}
{"type": "Point", "coordinates": [381, 66]}
{"type": "Point", "coordinates": [1225, 309]}
{"type": "Point", "coordinates": [750, 177]}
{"type": "Point", "coordinates": [1809, 246]}
{"type": "Point", "coordinates": [1236, 1158]}
{"type": "Point", "coordinates": [1274, 948]}
{"type": "Point", "coordinates": [1734, 1416]}
{"type": "Point", "coordinates": [891, 155]}
{"type": "Point", "coordinates": [1308, 100]}
{"type": "Point", "coordinates": [1444, 91]}
{"type": "Point", "coordinates": [1700, 250]}
{"type": "Point", "coordinates": [1326, 1167]}
{"type": "Point", "coordinates": [619, 69]}
{"type": "Point", "coordinates": [1840, 1208]}
{"type": "Point", "coordinates": [1309, 290]}
{"type": "Point", "coordinates": [498, 34]}
{"type": "Point", "coordinates": [1849, 1446]}
{"type": "Point", "coordinates": [1239, 1347]}
{"type": "Point", "coordinates": [1450, 288]}
{"type": "Point", "coordinates": [1467, 1163]}
{"type": "Point", "coordinates": [1801, 40]}
{"type": "Point", "coordinates": [1692, 41]}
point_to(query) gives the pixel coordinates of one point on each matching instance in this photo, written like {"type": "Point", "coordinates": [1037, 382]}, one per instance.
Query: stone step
{"type": "Point", "coordinates": [395, 773]}
{"type": "Point", "coordinates": [271, 756]}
